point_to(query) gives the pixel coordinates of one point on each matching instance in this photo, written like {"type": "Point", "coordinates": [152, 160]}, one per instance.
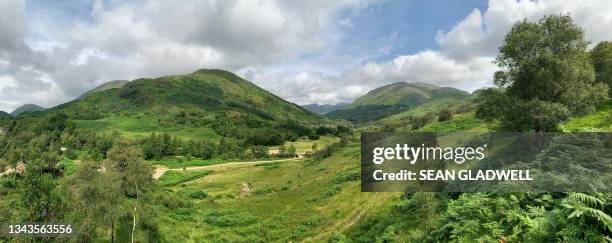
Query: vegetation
{"type": "Point", "coordinates": [26, 108]}
{"type": "Point", "coordinates": [546, 79]}
{"type": "Point", "coordinates": [392, 99]}
{"type": "Point", "coordinates": [601, 57]}
{"type": "Point", "coordinates": [172, 178]}
{"type": "Point", "coordinates": [90, 162]}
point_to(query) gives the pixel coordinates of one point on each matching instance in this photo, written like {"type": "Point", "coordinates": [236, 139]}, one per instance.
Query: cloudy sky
{"type": "Point", "coordinates": [316, 51]}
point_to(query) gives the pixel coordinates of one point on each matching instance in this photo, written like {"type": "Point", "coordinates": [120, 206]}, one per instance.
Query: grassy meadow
{"type": "Point", "coordinates": [287, 201]}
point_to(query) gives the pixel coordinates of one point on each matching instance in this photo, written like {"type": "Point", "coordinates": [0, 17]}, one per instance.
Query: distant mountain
{"type": "Point", "coordinates": [4, 115]}
{"type": "Point", "coordinates": [324, 109]}
{"type": "Point", "coordinates": [27, 108]}
{"type": "Point", "coordinates": [393, 99]}
{"type": "Point", "coordinates": [117, 84]}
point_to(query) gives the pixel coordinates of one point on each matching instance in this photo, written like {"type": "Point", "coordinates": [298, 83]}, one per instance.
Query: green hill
{"type": "Point", "coordinates": [4, 115]}
{"type": "Point", "coordinates": [395, 98]}
{"type": "Point", "coordinates": [117, 84]}
{"type": "Point", "coordinates": [203, 104]}
{"type": "Point", "coordinates": [26, 108]}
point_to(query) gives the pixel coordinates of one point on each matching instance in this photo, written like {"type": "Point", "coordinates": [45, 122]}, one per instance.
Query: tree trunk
{"type": "Point", "coordinates": [113, 231]}
{"type": "Point", "coordinates": [134, 223]}
{"type": "Point", "coordinates": [135, 211]}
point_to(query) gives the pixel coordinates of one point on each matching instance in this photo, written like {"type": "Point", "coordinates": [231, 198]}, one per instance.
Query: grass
{"type": "Point", "coordinates": [431, 106]}
{"type": "Point", "coordinates": [289, 203]}
{"type": "Point", "coordinates": [172, 178]}
{"type": "Point", "coordinates": [305, 145]}
{"type": "Point", "coordinates": [139, 126]}
{"type": "Point", "coordinates": [70, 166]}
{"type": "Point", "coordinates": [601, 120]}
{"type": "Point", "coordinates": [459, 122]}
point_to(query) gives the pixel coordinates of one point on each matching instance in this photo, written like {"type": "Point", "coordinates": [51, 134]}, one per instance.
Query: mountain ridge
{"type": "Point", "coordinates": [115, 84]}
{"type": "Point", "coordinates": [324, 108]}
{"type": "Point", "coordinates": [205, 104]}
{"type": "Point", "coordinates": [392, 99]}
{"type": "Point", "coordinates": [26, 108]}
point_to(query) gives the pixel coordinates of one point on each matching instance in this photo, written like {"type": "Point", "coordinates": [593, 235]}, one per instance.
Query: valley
{"type": "Point", "coordinates": [211, 157]}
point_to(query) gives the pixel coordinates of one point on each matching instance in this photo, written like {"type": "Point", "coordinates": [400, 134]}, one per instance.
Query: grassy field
{"type": "Point", "coordinates": [601, 120]}
{"type": "Point", "coordinates": [432, 106]}
{"type": "Point", "coordinates": [288, 201]}
{"type": "Point", "coordinates": [305, 145]}
{"type": "Point", "coordinates": [140, 126]}
{"type": "Point", "coordinates": [459, 122]}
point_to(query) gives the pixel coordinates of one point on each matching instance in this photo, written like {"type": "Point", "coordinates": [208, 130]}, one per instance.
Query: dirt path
{"type": "Point", "coordinates": [339, 226]}
{"type": "Point", "coordinates": [160, 169]}
{"type": "Point", "coordinates": [343, 225]}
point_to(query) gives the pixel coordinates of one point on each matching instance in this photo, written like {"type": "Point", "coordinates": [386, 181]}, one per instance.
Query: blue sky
{"type": "Point", "coordinates": [321, 51]}
{"type": "Point", "coordinates": [404, 27]}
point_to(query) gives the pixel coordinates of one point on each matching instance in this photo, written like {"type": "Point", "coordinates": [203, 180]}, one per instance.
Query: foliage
{"type": "Point", "coordinates": [547, 76]}
{"type": "Point", "coordinates": [445, 115]}
{"type": "Point", "coordinates": [601, 57]}
{"type": "Point", "coordinates": [228, 218]}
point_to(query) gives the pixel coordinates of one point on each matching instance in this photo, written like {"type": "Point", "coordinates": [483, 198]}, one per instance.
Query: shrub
{"type": "Point", "coordinates": [197, 194]}
{"type": "Point", "coordinates": [228, 218]}
{"type": "Point", "coordinates": [347, 175]}
{"type": "Point", "coordinates": [445, 115]}
{"type": "Point", "coordinates": [262, 191]}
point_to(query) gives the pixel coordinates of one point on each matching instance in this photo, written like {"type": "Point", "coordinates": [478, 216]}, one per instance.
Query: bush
{"type": "Point", "coordinates": [347, 175]}
{"type": "Point", "coordinates": [421, 121]}
{"type": "Point", "coordinates": [445, 115]}
{"type": "Point", "coordinates": [197, 194]}
{"type": "Point", "coordinates": [228, 218]}
{"type": "Point", "coordinates": [262, 191]}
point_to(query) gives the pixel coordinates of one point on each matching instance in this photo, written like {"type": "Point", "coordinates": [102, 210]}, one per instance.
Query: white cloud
{"type": "Point", "coordinates": [263, 40]}
{"type": "Point", "coordinates": [466, 52]}
{"type": "Point", "coordinates": [481, 34]}
{"type": "Point", "coordinates": [146, 38]}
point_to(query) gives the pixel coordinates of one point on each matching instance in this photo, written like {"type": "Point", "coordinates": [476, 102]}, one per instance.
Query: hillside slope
{"type": "Point", "coordinates": [26, 108]}
{"type": "Point", "coordinates": [4, 115]}
{"type": "Point", "coordinates": [394, 98]}
{"type": "Point", "coordinates": [192, 105]}
{"type": "Point", "coordinates": [116, 84]}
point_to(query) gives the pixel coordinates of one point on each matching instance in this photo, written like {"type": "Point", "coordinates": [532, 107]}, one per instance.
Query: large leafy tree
{"type": "Point", "coordinates": [601, 56]}
{"type": "Point", "coordinates": [546, 75]}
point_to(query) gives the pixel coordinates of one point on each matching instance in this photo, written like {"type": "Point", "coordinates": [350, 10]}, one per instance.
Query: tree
{"type": "Point", "coordinates": [445, 115]}
{"type": "Point", "coordinates": [291, 151]}
{"type": "Point", "coordinates": [97, 197]}
{"type": "Point", "coordinates": [259, 151]}
{"type": "Point", "coordinates": [547, 76]}
{"type": "Point", "coordinates": [601, 57]}
{"type": "Point", "coordinates": [421, 121]}
{"type": "Point", "coordinates": [40, 197]}
{"type": "Point", "coordinates": [136, 174]}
